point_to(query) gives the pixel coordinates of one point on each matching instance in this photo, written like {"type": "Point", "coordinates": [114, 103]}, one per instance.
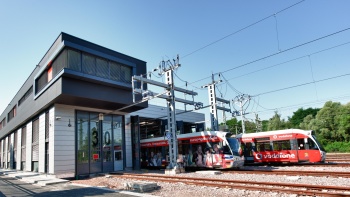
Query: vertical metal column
{"type": "Point", "coordinates": [171, 135]}
{"type": "Point", "coordinates": [242, 114]}
{"type": "Point", "coordinates": [241, 100]}
{"type": "Point", "coordinates": [213, 107]}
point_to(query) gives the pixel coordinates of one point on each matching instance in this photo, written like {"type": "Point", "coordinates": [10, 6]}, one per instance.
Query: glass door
{"type": "Point", "coordinates": [118, 160]}
{"type": "Point", "coordinates": [118, 143]}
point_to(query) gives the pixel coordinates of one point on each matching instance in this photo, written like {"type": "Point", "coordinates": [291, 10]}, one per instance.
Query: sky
{"type": "Point", "coordinates": [285, 54]}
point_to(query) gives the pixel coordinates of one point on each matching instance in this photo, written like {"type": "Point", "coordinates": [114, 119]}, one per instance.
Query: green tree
{"type": "Point", "coordinates": [250, 126]}
{"type": "Point", "coordinates": [265, 124]}
{"type": "Point", "coordinates": [275, 123]}
{"type": "Point", "coordinates": [300, 114]}
{"type": "Point", "coordinates": [325, 121]}
{"type": "Point", "coordinates": [306, 124]}
{"type": "Point", "coordinates": [342, 120]}
{"type": "Point", "coordinates": [231, 124]}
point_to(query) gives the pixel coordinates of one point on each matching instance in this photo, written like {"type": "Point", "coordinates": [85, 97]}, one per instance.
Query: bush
{"type": "Point", "coordinates": [338, 147]}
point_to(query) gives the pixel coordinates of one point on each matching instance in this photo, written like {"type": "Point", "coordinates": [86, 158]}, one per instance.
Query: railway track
{"type": "Point", "coordinates": [338, 157]}
{"type": "Point", "coordinates": [293, 173]}
{"type": "Point", "coordinates": [328, 164]}
{"type": "Point", "coordinates": [288, 188]}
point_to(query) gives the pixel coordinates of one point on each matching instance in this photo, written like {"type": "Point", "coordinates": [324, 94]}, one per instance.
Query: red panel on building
{"type": "Point", "coordinates": [95, 156]}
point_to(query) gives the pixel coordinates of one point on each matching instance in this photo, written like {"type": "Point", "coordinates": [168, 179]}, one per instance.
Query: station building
{"type": "Point", "coordinates": [65, 119]}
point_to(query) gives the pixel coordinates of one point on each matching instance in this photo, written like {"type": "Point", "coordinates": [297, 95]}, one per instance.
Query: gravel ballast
{"type": "Point", "coordinates": [181, 189]}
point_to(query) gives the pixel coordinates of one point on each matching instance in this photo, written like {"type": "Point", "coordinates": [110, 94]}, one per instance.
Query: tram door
{"type": "Point", "coordinates": [303, 150]}
{"type": "Point", "coordinates": [247, 152]}
{"type": "Point", "coordinates": [118, 160]}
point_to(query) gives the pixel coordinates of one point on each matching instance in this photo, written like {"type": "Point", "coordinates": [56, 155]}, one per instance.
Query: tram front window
{"type": "Point", "coordinates": [234, 145]}
{"type": "Point", "coordinates": [318, 143]}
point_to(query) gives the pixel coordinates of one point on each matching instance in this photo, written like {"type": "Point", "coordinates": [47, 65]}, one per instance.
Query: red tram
{"type": "Point", "coordinates": [282, 146]}
{"type": "Point", "coordinates": [208, 149]}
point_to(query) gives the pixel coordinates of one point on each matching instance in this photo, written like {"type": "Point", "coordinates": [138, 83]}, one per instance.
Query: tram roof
{"type": "Point", "coordinates": [276, 132]}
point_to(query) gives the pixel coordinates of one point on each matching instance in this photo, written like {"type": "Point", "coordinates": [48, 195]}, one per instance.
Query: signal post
{"type": "Point", "coordinates": [166, 68]}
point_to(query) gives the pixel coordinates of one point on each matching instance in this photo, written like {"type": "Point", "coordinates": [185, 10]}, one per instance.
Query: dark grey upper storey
{"type": "Point", "coordinates": [75, 72]}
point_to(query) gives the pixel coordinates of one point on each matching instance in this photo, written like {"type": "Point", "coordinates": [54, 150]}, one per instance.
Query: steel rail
{"type": "Point", "coordinates": [292, 172]}
{"type": "Point", "coordinates": [328, 164]}
{"type": "Point", "coordinates": [302, 189]}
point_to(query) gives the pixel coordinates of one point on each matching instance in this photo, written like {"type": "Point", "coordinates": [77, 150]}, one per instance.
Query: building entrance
{"type": "Point", "coordinates": [98, 136]}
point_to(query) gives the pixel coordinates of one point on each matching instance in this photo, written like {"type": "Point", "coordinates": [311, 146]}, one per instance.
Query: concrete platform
{"type": "Point", "coordinates": [33, 177]}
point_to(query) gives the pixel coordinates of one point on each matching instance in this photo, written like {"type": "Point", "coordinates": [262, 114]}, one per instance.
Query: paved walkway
{"type": "Point", "coordinates": [17, 183]}
{"type": "Point", "coordinates": [34, 178]}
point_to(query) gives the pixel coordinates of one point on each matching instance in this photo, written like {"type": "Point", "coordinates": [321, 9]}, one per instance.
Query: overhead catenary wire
{"type": "Point", "coordinates": [283, 108]}
{"type": "Point", "coordinates": [303, 84]}
{"type": "Point", "coordinates": [277, 53]}
{"type": "Point", "coordinates": [291, 60]}
{"type": "Point", "coordinates": [240, 30]}
{"type": "Point", "coordinates": [312, 74]}
{"type": "Point", "coordinates": [291, 48]}
{"type": "Point", "coordinates": [229, 84]}
{"type": "Point", "coordinates": [278, 40]}
{"type": "Point", "coordinates": [186, 82]}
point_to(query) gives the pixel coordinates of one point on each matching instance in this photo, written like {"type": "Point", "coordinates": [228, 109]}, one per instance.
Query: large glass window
{"type": "Point", "coordinates": [126, 74]}
{"type": "Point", "coordinates": [59, 63]}
{"type": "Point", "coordinates": [83, 137]}
{"type": "Point", "coordinates": [95, 147]}
{"type": "Point", "coordinates": [86, 63]}
{"type": "Point", "coordinates": [115, 71]}
{"type": "Point", "coordinates": [102, 69]}
{"type": "Point", "coordinates": [95, 138]}
{"type": "Point", "coordinates": [74, 60]}
{"type": "Point", "coordinates": [117, 133]}
{"type": "Point", "coordinates": [107, 138]}
{"type": "Point", "coordinates": [89, 64]}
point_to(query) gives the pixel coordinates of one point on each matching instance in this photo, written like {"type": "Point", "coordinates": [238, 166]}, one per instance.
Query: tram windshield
{"type": "Point", "coordinates": [318, 143]}
{"type": "Point", "coordinates": [234, 145]}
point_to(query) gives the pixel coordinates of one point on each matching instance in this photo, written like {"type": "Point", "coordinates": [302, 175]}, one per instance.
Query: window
{"type": "Point", "coordinates": [49, 74]}
{"type": "Point", "coordinates": [74, 60]}
{"type": "Point", "coordinates": [8, 144]}
{"type": "Point", "coordinates": [23, 143]}
{"type": "Point", "coordinates": [263, 146]}
{"type": "Point", "coordinates": [107, 138]}
{"type": "Point", "coordinates": [59, 63]}
{"type": "Point", "coordinates": [47, 125]}
{"type": "Point", "coordinates": [89, 64]}
{"type": "Point", "coordinates": [35, 140]}
{"type": "Point", "coordinates": [25, 96]}
{"type": "Point", "coordinates": [115, 71]}
{"type": "Point", "coordinates": [2, 123]}
{"type": "Point", "coordinates": [40, 82]}
{"type": "Point", "coordinates": [102, 69]}
{"type": "Point", "coordinates": [126, 74]}
{"type": "Point", "coordinates": [83, 137]}
{"type": "Point", "coordinates": [15, 150]}
{"type": "Point", "coordinates": [11, 114]}
{"type": "Point", "coordinates": [86, 63]}
{"type": "Point", "coordinates": [281, 145]}
{"type": "Point", "coordinates": [15, 141]}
